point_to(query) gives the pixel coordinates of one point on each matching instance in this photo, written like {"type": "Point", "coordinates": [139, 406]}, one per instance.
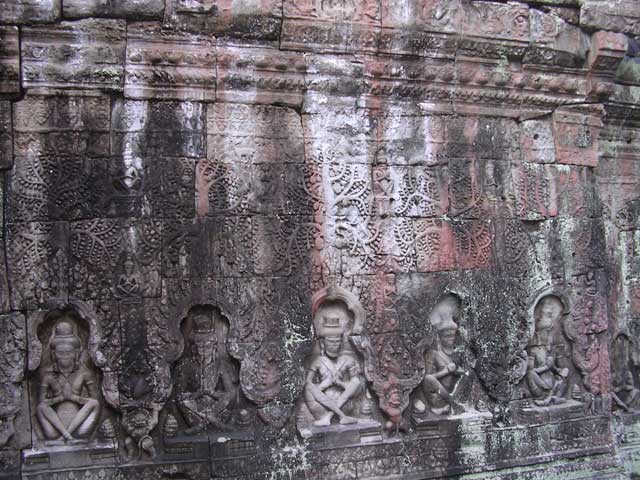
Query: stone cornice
{"type": "Point", "coordinates": [481, 54]}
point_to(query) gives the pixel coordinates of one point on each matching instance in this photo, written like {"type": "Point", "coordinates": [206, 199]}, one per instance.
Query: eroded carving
{"type": "Point", "coordinates": [550, 384]}
{"type": "Point", "coordinates": [206, 377]}
{"type": "Point", "coordinates": [443, 368]}
{"type": "Point", "coordinates": [138, 422]}
{"type": "Point", "coordinates": [547, 381]}
{"type": "Point", "coordinates": [13, 353]}
{"type": "Point", "coordinates": [625, 363]}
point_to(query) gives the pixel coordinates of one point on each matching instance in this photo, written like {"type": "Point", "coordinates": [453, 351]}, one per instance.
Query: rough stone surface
{"type": "Point", "coordinates": [9, 60]}
{"type": "Point", "coordinates": [133, 9]}
{"type": "Point", "coordinates": [6, 136]}
{"type": "Point", "coordinates": [23, 12]}
{"type": "Point", "coordinates": [246, 19]}
{"type": "Point", "coordinates": [615, 15]}
{"type": "Point", "coordinates": [319, 239]}
{"type": "Point", "coordinates": [81, 54]}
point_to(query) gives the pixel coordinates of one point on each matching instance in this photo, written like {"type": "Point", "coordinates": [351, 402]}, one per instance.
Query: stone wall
{"type": "Point", "coordinates": [319, 239]}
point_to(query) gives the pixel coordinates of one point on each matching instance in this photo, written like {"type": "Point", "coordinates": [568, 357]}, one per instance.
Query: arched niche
{"type": "Point", "coordinates": [334, 302]}
{"type": "Point", "coordinates": [68, 388]}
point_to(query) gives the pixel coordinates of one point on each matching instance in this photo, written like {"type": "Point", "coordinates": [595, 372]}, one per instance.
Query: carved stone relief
{"type": "Point", "coordinates": [206, 378]}
{"type": "Point", "coordinates": [9, 60]}
{"type": "Point", "coordinates": [251, 20]}
{"type": "Point", "coordinates": [154, 71]}
{"type": "Point", "coordinates": [67, 408]}
{"type": "Point", "coordinates": [546, 378]}
{"type": "Point", "coordinates": [625, 363]}
{"type": "Point", "coordinates": [41, 250]}
{"type": "Point", "coordinates": [13, 348]}
{"type": "Point", "coordinates": [27, 11]}
{"type": "Point", "coordinates": [550, 379]}
{"type": "Point", "coordinates": [311, 20]}
{"type": "Point", "coordinates": [443, 372]}
{"type": "Point", "coordinates": [336, 397]}
{"type": "Point", "coordinates": [436, 171]}
{"type": "Point", "coordinates": [64, 41]}
{"type": "Point", "coordinates": [70, 388]}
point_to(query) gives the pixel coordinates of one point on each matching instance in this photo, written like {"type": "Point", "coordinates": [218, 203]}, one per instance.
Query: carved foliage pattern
{"type": "Point", "coordinates": [41, 250]}
{"type": "Point", "coordinates": [111, 259]}
{"type": "Point", "coordinates": [341, 196]}
{"type": "Point", "coordinates": [13, 349]}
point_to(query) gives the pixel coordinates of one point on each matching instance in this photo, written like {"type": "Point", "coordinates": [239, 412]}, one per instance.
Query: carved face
{"type": "Point", "coordinates": [204, 335]}
{"type": "Point", "coordinates": [629, 379]}
{"type": "Point", "coordinates": [205, 344]}
{"type": "Point", "coordinates": [332, 346]}
{"type": "Point", "coordinates": [65, 347]}
{"type": "Point", "coordinates": [128, 266]}
{"type": "Point", "coordinates": [548, 314]}
{"type": "Point", "coordinates": [139, 419]}
{"type": "Point", "coordinates": [448, 338]}
{"type": "Point", "coordinates": [65, 356]}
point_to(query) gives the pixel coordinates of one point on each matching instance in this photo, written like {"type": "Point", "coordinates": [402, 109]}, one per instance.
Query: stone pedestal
{"type": "Point", "coordinates": [67, 457]}
{"type": "Point", "coordinates": [364, 432]}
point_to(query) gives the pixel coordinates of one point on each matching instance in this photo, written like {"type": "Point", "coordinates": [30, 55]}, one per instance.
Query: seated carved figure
{"type": "Point", "coordinates": [442, 372]}
{"type": "Point", "coordinates": [332, 380]}
{"type": "Point", "coordinates": [128, 283]}
{"type": "Point", "coordinates": [206, 379]}
{"type": "Point", "coordinates": [625, 395]}
{"type": "Point", "coordinates": [335, 398]}
{"type": "Point", "coordinates": [547, 381]}
{"type": "Point", "coordinates": [67, 396]}
{"type": "Point", "coordinates": [129, 177]}
{"type": "Point", "coordinates": [443, 369]}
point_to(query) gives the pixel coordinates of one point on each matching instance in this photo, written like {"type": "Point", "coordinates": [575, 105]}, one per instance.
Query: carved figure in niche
{"type": "Point", "coordinates": [443, 369]}
{"type": "Point", "coordinates": [626, 395]}
{"type": "Point", "coordinates": [335, 392]}
{"type": "Point", "coordinates": [547, 381]}
{"type": "Point", "coordinates": [129, 177]}
{"type": "Point", "coordinates": [333, 378]}
{"type": "Point", "coordinates": [67, 394]}
{"type": "Point", "coordinates": [128, 283]}
{"type": "Point", "coordinates": [206, 378]}
{"type": "Point", "coordinates": [625, 361]}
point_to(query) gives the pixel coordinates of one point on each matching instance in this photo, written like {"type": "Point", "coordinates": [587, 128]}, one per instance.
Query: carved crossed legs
{"type": "Point", "coordinates": [86, 419]}
{"type": "Point", "coordinates": [198, 414]}
{"type": "Point", "coordinates": [437, 392]}
{"type": "Point", "coordinates": [328, 407]}
{"type": "Point", "coordinates": [82, 423]}
{"type": "Point", "coordinates": [547, 391]}
{"type": "Point", "coordinates": [626, 397]}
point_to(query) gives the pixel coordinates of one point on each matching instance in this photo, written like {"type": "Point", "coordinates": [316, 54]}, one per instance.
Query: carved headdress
{"type": "Point", "coordinates": [64, 333]}
{"type": "Point", "coordinates": [442, 316]}
{"type": "Point", "coordinates": [548, 310]}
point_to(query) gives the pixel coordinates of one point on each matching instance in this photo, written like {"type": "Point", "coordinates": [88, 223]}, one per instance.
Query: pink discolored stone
{"type": "Point", "coordinates": [607, 51]}
{"type": "Point", "coordinates": [576, 137]}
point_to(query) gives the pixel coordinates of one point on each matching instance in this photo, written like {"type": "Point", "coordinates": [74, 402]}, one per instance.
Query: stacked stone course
{"type": "Point", "coordinates": [319, 239]}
